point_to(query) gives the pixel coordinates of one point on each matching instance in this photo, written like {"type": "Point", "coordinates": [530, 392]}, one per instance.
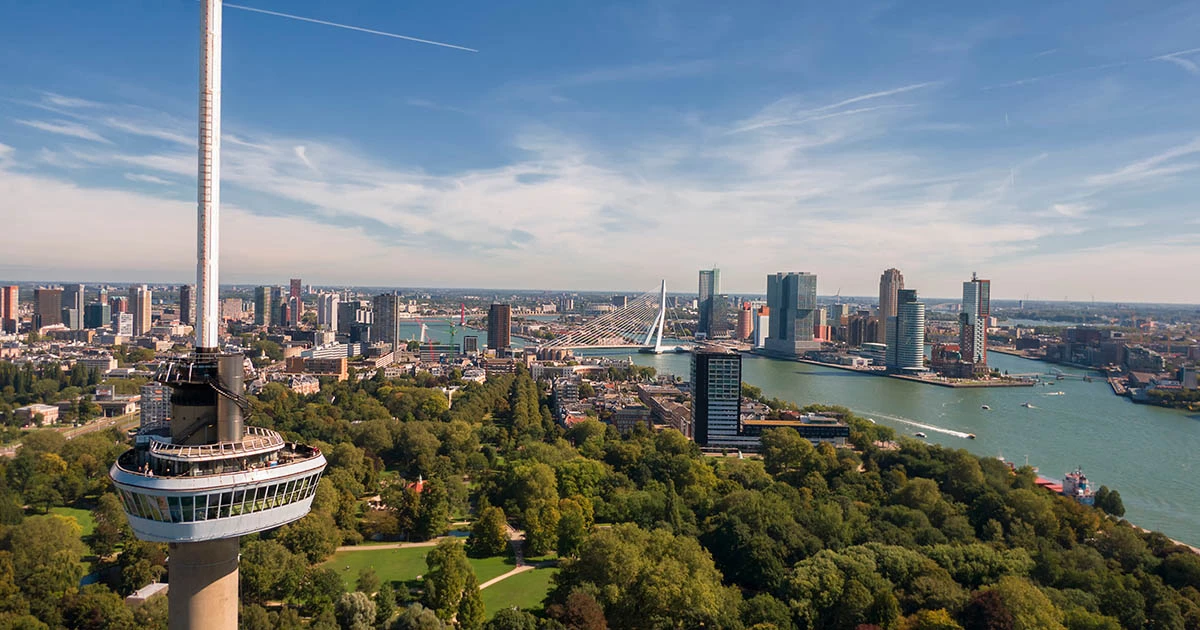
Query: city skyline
{"type": "Point", "coordinates": [988, 139]}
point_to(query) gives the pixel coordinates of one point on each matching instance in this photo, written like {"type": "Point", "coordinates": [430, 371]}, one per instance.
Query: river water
{"type": "Point", "coordinates": [1149, 454]}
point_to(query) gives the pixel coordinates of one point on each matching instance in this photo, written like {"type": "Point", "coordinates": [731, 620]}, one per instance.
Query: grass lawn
{"type": "Point", "coordinates": [523, 590]}
{"type": "Point", "coordinates": [488, 568]}
{"type": "Point", "coordinates": [391, 565]}
{"type": "Point", "coordinates": [81, 516]}
{"type": "Point", "coordinates": [404, 565]}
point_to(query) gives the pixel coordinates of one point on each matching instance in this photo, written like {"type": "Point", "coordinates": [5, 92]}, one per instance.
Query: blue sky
{"type": "Point", "coordinates": [1053, 149]}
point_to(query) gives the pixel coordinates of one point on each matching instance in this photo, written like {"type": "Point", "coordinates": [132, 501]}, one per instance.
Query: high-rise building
{"type": "Point", "coordinates": [792, 298]}
{"type": "Point", "coordinates": [863, 327]}
{"type": "Point", "coordinates": [327, 311]}
{"type": "Point", "coordinates": [278, 306]}
{"type": "Point", "coordinates": [973, 321]}
{"type": "Point", "coordinates": [187, 304]}
{"type": "Point", "coordinates": [156, 404]}
{"type": "Point", "coordinates": [352, 313]}
{"type": "Point", "coordinates": [470, 344]}
{"type": "Point", "coordinates": [96, 315]}
{"type": "Point", "coordinates": [499, 328]}
{"type": "Point", "coordinates": [232, 308]}
{"type": "Point", "coordinates": [710, 288]}
{"type": "Point", "coordinates": [47, 307]}
{"type": "Point", "coordinates": [295, 301]}
{"type": "Point", "coordinates": [206, 479]}
{"type": "Point", "coordinates": [745, 323]}
{"type": "Point", "coordinates": [716, 395]}
{"type": "Point", "coordinates": [890, 281]}
{"type": "Point", "coordinates": [386, 309]}
{"type": "Point", "coordinates": [620, 301]}
{"type": "Point", "coordinates": [118, 304]}
{"type": "Point", "coordinates": [262, 306]}
{"type": "Point", "coordinates": [906, 334]}
{"type": "Point", "coordinates": [122, 324]}
{"type": "Point", "coordinates": [9, 308]}
{"type": "Point", "coordinates": [72, 300]}
{"type": "Point", "coordinates": [762, 326]}
{"type": "Point", "coordinates": [140, 298]}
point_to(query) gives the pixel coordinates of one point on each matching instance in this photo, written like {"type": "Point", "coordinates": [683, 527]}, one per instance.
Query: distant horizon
{"type": "Point", "coordinates": [338, 287]}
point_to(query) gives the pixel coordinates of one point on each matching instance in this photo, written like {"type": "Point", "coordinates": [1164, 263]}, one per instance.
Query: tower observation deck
{"type": "Point", "coordinates": [203, 479]}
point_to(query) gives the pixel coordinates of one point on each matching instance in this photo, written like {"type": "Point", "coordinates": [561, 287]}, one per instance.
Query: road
{"type": "Point", "coordinates": [124, 422]}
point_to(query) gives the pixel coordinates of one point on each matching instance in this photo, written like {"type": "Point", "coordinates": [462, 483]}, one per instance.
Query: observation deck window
{"type": "Point", "coordinates": [217, 505]}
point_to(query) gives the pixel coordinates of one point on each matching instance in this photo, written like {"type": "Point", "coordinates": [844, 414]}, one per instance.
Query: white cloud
{"type": "Point", "coordinates": [64, 128]}
{"type": "Point", "coordinates": [146, 179]}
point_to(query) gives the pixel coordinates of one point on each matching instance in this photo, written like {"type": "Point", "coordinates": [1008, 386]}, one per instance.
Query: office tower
{"type": "Point", "coordinates": [102, 295]}
{"type": "Point", "coordinates": [352, 313]}
{"type": "Point", "coordinates": [96, 315]}
{"type": "Point", "coordinates": [327, 310]}
{"type": "Point", "coordinates": [716, 395]}
{"type": "Point", "coordinates": [263, 307]}
{"type": "Point", "coordinates": [47, 307]}
{"type": "Point", "coordinates": [762, 326]}
{"type": "Point", "coordinates": [620, 301]}
{"type": "Point", "coordinates": [710, 287]}
{"type": "Point", "coordinates": [205, 479]}
{"type": "Point", "coordinates": [470, 344]}
{"type": "Point", "coordinates": [187, 304]}
{"type": "Point", "coordinates": [9, 308]}
{"type": "Point", "coordinates": [386, 310]}
{"type": "Point", "coordinates": [499, 328]}
{"type": "Point", "coordinates": [890, 281]}
{"type": "Point", "coordinates": [838, 314]}
{"type": "Point", "coordinates": [122, 324]}
{"type": "Point", "coordinates": [278, 306]}
{"type": "Point", "coordinates": [906, 334]}
{"type": "Point", "coordinates": [156, 404]}
{"type": "Point", "coordinates": [863, 328]}
{"type": "Point", "coordinates": [118, 304]}
{"type": "Point", "coordinates": [745, 323]}
{"type": "Point", "coordinates": [139, 299]}
{"type": "Point", "coordinates": [295, 302]}
{"type": "Point", "coordinates": [72, 319]}
{"type": "Point", "coordinates": [792, 298]}
{"type": "Point", "coordinates": [973, 321]}
{"type": "Point", "coordinates": [72, 300]}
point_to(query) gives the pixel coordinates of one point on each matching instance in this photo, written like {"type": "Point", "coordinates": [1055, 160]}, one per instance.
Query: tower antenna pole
{"type": "Point", "coordinates": [208, 207]}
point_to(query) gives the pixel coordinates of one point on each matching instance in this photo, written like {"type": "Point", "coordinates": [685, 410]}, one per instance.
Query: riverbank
{"type": "Point", "coordinates": [848, 368]}
{"type": "Point", "coordinates": [944, 382]}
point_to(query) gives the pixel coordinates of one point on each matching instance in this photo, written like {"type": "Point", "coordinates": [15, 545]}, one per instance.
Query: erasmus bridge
{"type": "Point", "coordinates": [639, 324]}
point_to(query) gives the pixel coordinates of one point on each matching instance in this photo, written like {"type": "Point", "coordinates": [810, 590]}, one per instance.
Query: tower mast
{"type": "Point", "coordinates": [208, 179]}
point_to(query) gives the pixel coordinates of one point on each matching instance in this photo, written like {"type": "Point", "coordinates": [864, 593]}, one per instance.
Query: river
{"type": "Point", "coordinates": [1146, 453]}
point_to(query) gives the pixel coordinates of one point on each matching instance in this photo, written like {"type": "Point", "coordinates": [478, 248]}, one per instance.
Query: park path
{"type": "Point", "coordinates": [521, 569]}
{"type": "Point", "coordinates": [403, 545]}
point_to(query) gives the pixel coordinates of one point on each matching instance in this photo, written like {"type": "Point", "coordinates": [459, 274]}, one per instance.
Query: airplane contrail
{"type": "Point", "coordinates": [349, 27]}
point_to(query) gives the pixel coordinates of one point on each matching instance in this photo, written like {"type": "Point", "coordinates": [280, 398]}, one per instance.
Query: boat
{"type": "Point", "coordinates": [920, 435]}
{"type": "Point", "coordinates": [985, 407]}
{"type": "Point", "coordinates": [1075, 485]}
{"type": "Point", "coordinates": [1055, 393]}
{"type": "Point", "coordinates": [970, 436]}
{"type": "Point", "coordinates": [1027, 405]}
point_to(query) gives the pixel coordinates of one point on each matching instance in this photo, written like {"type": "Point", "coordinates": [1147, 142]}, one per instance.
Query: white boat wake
{"type": "Point", "coordinates": [958, 434]}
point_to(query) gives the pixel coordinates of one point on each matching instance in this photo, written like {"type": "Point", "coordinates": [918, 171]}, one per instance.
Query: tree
{"type": "Point", "coordinates": [111, 525]}
{"type": "Point", "coordinates": [573, 524]}
{"type": "Point", "coordinates": [418, 617]}
{"type": "Point", "coordinates": [541, 528]}
{"type": "Point", "coordinates": [47, 557]}
{"type": "Point", "coordinates": [930, 620]}
{"type": "Point", "coordinates": [385, 604]}
{"type": "Point", "coordinates": [446, 578]}
{"type": "Point", "coordinates": [470, 608]}
{"type": "Point", "coordinates": [1110, 501]}
{"type": "Point", "coordinates": [433, 513]}
{"type": "Point", "coordinates": [511, 619]}
{"type": "Point", "coordinates": [986, 611]}
{"type": "Point", "coordinates": [269, 571]}
{"type": "Point", "coordinates": [489, 533]}
{"type": "Point", "coordinates": [368, 581]}
{"type": "Point", "coordinates": [355, 611]}
{"type": "Point", "coordinates": [783, 449]}
{"type": "Point", "coordinates": [97, 608]}
{"type": "Point", "coordinates": [581, 611]}
{"type": "Point", "coordinates": [315, 536]}
{"type": "Point", "coordinates": [322, 588]}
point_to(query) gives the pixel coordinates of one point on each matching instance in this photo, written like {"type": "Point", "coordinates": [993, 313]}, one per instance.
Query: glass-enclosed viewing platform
{"type": "Point", "coordinates": [190, 493]}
